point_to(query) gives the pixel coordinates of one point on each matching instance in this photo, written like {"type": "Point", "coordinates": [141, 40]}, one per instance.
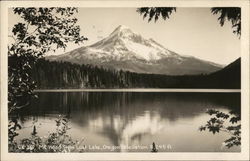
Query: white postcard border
{"type": "Point", "coordinates": [243, 155]}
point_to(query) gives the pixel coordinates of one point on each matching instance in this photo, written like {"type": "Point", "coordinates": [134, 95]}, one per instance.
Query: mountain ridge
{"type": "Point", "coordinates": [124, 49]}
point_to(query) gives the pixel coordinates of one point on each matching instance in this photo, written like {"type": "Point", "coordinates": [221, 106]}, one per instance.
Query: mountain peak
{"type": "Point", "coordinates": [122, 30]}
{"type": "Point", "coordinates": [122, 27]}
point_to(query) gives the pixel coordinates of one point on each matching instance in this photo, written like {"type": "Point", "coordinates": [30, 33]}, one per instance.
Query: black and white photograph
{"type": "Point", "coordinates": [144, 79]}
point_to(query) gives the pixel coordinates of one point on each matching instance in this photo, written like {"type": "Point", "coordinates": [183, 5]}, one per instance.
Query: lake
{"type": "Point", "coordinates": [130, 121]}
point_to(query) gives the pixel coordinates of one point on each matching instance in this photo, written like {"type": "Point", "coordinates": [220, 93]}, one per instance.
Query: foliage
{"type": "Point", "coordinates": [13, 126]}
{"type": "Point", "coordinates": [40, 30]}
{"type": "Point", "coordinates": [58, 141]}
{"type": "Point", "coordinates": [232, 14]}
{"type": "Point", "coordinates": [156, 12]}
{"type": "Point", "coordinates": [217, 124]}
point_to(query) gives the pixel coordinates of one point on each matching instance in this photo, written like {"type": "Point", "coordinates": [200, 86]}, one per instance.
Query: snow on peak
{"type": "Point", "coordinates": [122, 31]}
{"type": "Point", "coordinates": [123, 43]}
{"type": "Point", "coordinates": [122, 27]}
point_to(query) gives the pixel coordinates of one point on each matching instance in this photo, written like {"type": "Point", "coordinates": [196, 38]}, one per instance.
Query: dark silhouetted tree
{"type": "Point", "coordinates": [156, 12]}
{"type": "Point", "coordinates": [40, 30]}
{"type": "Point", "coordinates": [232, 14]}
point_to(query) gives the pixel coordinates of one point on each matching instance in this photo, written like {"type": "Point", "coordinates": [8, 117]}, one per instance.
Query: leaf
{"type": "Point", "coordinates": [213, 120]}
{"type": "Point", "coordinates": [214, 129]}
{"type": "Point", "coordinates": [234, 120]}
{"type": "Point", "coordinates": [212, 111]}
{"type": "Point", "coordinates": [202, 128]}
{"type": "Point", "coordinates": [222, 115]}
{"type": "Point", "coordinates": [18, 126]}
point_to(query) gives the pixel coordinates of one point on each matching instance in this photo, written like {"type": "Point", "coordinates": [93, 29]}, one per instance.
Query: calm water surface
{"type": "Point", "coordinates": [106, 119]}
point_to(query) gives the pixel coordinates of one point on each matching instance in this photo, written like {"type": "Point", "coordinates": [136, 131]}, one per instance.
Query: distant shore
{"type": "Point", "coordinates": [144, 90]}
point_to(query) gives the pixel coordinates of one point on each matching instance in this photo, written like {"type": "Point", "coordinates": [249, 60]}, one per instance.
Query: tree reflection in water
{"type": "Point", "coordinates": [134, 118]}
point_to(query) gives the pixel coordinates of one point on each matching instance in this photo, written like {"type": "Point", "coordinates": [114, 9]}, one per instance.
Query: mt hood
{"type": "Point", "coordinates": [125, 50]}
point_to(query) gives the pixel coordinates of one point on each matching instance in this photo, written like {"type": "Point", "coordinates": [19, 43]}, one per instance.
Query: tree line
{"type": "Point", "coordinates": [56, 75]}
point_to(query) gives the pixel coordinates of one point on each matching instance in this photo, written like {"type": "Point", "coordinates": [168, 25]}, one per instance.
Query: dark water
{"type": "Point", "coordinates": [127, 119]}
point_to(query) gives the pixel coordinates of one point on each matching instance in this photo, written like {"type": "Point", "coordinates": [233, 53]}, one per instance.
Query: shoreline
{"type": "Point", "coordinates": [143, 90]}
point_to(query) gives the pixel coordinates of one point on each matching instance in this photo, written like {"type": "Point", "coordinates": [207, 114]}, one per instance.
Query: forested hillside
{"type": "Point", "coordinates": [51, 75]}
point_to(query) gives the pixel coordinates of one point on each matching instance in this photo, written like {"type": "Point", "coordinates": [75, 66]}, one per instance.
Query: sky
{"type": "Point", "coordinates": [188, 31]}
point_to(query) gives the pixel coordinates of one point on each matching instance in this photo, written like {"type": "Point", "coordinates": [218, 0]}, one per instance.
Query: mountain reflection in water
{"type": "Point", "coordinates": [134, 118]}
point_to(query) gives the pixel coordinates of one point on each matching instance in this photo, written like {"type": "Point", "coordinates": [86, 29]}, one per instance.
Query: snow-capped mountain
{"type": "Point", "coordinates": [127, 50]}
